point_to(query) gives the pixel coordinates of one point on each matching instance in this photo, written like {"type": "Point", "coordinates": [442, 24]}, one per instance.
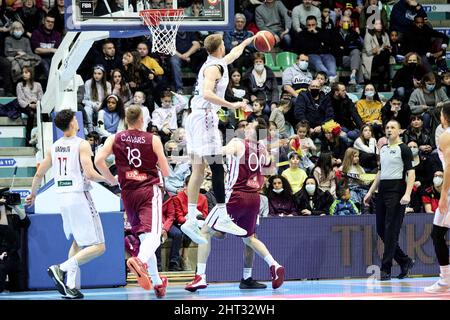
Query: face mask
{"type": "Point", "coordinates": [345, 26]}
{"type": "Point", "coordinates": [430, 87]}
{"type": "Point", "coordinates": [278, 190]}
{"type": "Point", "coordinates": [412, 64]}
{"type": "Point", "coordinates": [303, 65]}
{"type": "Point", "coordinates": [414, 152]}
{"type": "Point", "coordinates": [369, 94]}
{"type": "Point", "coordinates": [314, 92]}
{"type": "Point", "coordinates": [17, 34]}
{"type": "Point", "coordinates": [437, 181]}
{"type": "Point", "coordinates": [259, 67]}
{"type": "Point", "coordinates": [310, 188]}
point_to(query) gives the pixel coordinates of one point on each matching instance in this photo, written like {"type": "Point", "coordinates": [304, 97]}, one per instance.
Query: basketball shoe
{"type": "Point", "coordinates": [219, 220]}
{"type": "Point", "coordinates": [140, 270]}
{"type": "Point", "coordinates": [277, 273]}
{"type": "Point", "coordinates": [73, 294]}
{"type": "Point", "coordinates": [160, 289]}
{"type": "Point", "coordinates": [440, 286]}
{"type": "Point", "coordinates": [58, 276]}
{"type": "Point", "coordinates": [199, 282]}
{"type": "Point", "coordinates": [190, 228]}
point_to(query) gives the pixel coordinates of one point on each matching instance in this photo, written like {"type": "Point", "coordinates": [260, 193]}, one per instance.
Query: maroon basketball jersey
{"type": "Point", "coordinates": [245, 172]}
{"type": "Point", "coordinates": [135, 159]}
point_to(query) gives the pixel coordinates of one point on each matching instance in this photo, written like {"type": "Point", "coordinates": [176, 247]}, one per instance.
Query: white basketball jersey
{"type": "Point", "coordinates": [198, 102]}
{"type": "Point", "coordinates": [440, 153]}
{"type": "Point", "coordinates": [67, 170]}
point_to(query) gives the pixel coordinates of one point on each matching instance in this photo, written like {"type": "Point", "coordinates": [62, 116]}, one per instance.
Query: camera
{"type": "Point", "coordinates": [12, 198]}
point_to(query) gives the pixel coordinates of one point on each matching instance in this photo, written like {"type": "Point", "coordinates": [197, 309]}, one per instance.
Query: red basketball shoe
{"type": "Point", "coordinates": [160, 289]}
{"type": "Point", "coordinates": [277, 274]}
{"type": "Point", "coordinates": [198, 283]}
{"type": "Point", "coordinates": [140, 270]}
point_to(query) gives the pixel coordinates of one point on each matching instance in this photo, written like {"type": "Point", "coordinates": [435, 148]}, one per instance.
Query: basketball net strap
{"type": "Point", "coordinates": [163, 25]}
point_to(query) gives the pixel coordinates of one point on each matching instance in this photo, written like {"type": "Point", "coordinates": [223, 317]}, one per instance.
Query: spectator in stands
{"type": "Point", "coordinates": [258, 108]}
{"type": "Point", "coordinates": [403, 13]}
{"type": "Point", "coordinates": [5, 74]}
{"type": "Point", "coordinates": [120, 88]}
{"type": "Point", "coordinates": [432, 194]}
{"type": "Point", "coordinates": [178, 170]}
{"type": "Point", "coordinates": [445, 82]}
{"type": "Point", "coordinates": [369, 109]}
{"type": "Point", "coordinates": [279, 194]}
{"type": "Point", "coordinates": [277, 116]}
{"type": "Point", "coordinates": [395, 109]}
{"type": "Point", "coordinates": [347, 49]}
{"type": "Point", "coordinates": [29, 16]}
{"type": "Point", "coordinates": [18, 51]}
{"type": "Point", "coordinates": [138, 77]}
{"type": "Point", "coordinates": [260, 83]}
{"type": "Point", "coordinates": [233, 38]}
{"type": "Point", "coordinates": [297, 77]}
{"type": "Point", "coordinates": [29, 92]}
{"type": "Point", "coordinates": [95, 91]}
{"type": "Point", "coordinates": [324, 82]}
{"type": "Point", "coordinates": [139, 99]}
{"type": "Point", "coordinates": [295, 175]}
{"type": "Point", "coordinates": [324, 173]}
{"type": "Point", "coordinates": [181, 210]}
{"type": "Point", "coordinates": [157, 4]}
{"type": "Point", "coordinates": [326, 19]}
{"type": "Point", "coordinates": [332, 141]}
{"type": "Point", "coordinates": [343, 205]}
{"type": "Point", "coordinates": [376, 56]}
{"type": "Point", "coordinates": [303, 11]}
{"type": "Point", "coordinates": [368, 149]}
{"type": "Point", "coordinates": [416, 132]}
{"type": "Point", "coordinates": [302, 139]}
{"type": "Point", "coordinates": [397, 50]}
{"type": "Point", "coordinates": [45, 41]}
{"type": "Point", "coordinates": [427, 100]}
{"type": "Point", "coordinates": [428, 43]}
{"type": "Point", "coordinates": [188, 53]}
{"type": "Point", "coordinates": [195, 10]}
{"type": "Point", "coordinates": [421, 181]}
{"type": "Point", "coordinates": [352, 14]}
{"type": "Point", "coordinates": [312, 105]}
{"type": "Point", "coordinates": [58, 11]}
{"type": "Point", "coordinates": [111, 116]}
{"type": "Point", "coordinates": [165, 117]}
{"type": "Point", "coordinates": [5, 22]}
{"type": "Point", "coordinates": [108, 58]}
{"type": "Point", "coordinates": [317, 44]}
{"type": "Point", "coordinates": [279, 148]}
{"type": "Point", "coordinates": [375, 9]}
{"type": "Point", "coordinates": [311, 200]}
{"type": "Point", "coordinates": [236, 92]}
{"type": "Point", "coordinates": [272, 15]}
{"type": "Point", "coordinates": [345, 112]}
{"type": "Point", "coordinates": [407, 79]}
{"type": "Point", "coordinates": [156, 71]}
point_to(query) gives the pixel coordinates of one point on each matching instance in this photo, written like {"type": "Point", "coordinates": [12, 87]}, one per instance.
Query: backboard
{"type": "Point", "coordinates": [123, 15]}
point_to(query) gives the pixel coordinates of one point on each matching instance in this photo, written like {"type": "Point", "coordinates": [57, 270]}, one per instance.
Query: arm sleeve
{"type": "Point", "coordinates": [101, 127]}
{"type": "Point", "coordinates": [296, 19]}
{"type": "Point", "coordinates": [414, 102]}
{"type": "Point", "coordinates": [299, 108]}
{"type": "Point", "coordinates": [259, 20]}
{"type": "Point", "coordinates": [407, 157]}
{"type": "Point", "coordinates": [170, 214]}
{"type": "Point", "coordinates": [21, 95]}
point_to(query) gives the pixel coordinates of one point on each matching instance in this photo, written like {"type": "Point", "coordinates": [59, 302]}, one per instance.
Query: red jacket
{"type": "Point", "coordinates": [168, 214]}
{"type": "Point", "coordinates": [180, 202]}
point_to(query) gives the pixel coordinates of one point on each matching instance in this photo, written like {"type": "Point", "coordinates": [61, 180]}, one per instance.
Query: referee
{"type": "Point", "coordinates": [395, 180]}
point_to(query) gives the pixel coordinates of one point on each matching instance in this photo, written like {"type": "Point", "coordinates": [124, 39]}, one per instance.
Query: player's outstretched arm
{"type": "Point", "coordinates": [100, 159]}
{"type": "Point", "coordinates": [87, 165]}
{"type": "Point", "coordinates": [162, 160]}
{"type": "Point", "coordinates": [237, 51]}
{"type": "Point", "coordinates": [37, 179]}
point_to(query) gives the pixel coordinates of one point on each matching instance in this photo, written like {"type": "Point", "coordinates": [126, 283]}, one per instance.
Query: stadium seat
{"type": "Point", "coordinates": [285, 59]}
{"type": "Point", "coordinates": [270, 63]}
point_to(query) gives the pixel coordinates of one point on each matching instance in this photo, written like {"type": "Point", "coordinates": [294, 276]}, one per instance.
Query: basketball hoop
{"type": "Point", "coordinates": [163, 25]}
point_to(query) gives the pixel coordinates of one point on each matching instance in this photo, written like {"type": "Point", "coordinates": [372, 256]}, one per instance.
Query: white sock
{"type": "Point", "coordinates": [247, 273]}
{"type": "Point", "coordinates": [201, 268]}
{"type": "Point", "coordinates": [78, 279]}
{"type": "Point", "coordinates": [222, 210]}
{"type": "Point", "coordinates": [192, 211]}
{"type": "Point", "coordinates": [69, 264]}
{"type": "Point", "coordinates": [445, 274]}
{"type": "Point", "coordinates": [270, 261]}
{"type": "Point", "coordinates": [149, 243]}
{"type": "Point", "coordinates": [153, 270]}
{"type": "Point", "coordinates": [71, 280]}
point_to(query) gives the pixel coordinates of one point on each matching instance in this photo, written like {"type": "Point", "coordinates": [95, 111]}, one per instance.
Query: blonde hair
{"type": "Point", "coordinates": [132, 114]}
{"type": "Point", "coordinates": [347, 163]}
{"type": "Point", "coordinates": [16, 25]}
{"type": "Point", "coordinates": [213, 42]}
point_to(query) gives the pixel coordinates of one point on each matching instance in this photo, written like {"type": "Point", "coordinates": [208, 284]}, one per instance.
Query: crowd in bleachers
{"type": "Point", "coordinates": [326, 140]}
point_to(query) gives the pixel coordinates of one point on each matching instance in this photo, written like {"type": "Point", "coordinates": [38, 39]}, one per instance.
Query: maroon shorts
{"type": "Point", "coordinates": [243, 207]}
{"type": "Point", "coordinates": [143, 208]}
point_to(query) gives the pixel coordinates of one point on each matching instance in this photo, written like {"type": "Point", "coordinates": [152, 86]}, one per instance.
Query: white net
{"type": "Point", "coordinates": [163, 26]}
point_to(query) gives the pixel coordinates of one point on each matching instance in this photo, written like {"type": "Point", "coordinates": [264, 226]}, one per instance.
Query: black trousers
{"type": "Point", "coordinates": [439, 234]}
{"type": "Point", "coordinates": [389, 215]}
{"type": "Point", "coordinates": [16, 272]}
{"type": "Point", "coordinates": [5, 73]}
{"type": "Point", "coordinates": [31, 113]}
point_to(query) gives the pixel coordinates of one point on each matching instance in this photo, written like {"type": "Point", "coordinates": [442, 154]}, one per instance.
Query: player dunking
{"type": "Point", "coordinates": [137, 154]}
{"type": "Point", "coordinates": [70, 159]}
{"type": "Point", "coordinates": [204, 140]}
{"type": "Point", "coordinates": [441, 222]}
{"type": "Point", "coordinates": [245, 162]}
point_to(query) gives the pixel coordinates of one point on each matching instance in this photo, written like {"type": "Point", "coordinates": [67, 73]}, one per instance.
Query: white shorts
{"type": "Point", "coordinates": [442, 220]}
{"type": "Point", "coordinates": [80, 218]}
{"type": "Point", "coordinates": [203, 137]}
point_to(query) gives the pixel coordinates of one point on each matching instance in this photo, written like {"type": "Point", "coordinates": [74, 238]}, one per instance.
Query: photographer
{"type": "Point", "coordinates": [12, 220]}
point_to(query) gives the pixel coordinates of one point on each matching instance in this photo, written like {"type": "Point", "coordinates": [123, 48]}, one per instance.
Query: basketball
{"type": "Point", "coordinates": [264, 41]}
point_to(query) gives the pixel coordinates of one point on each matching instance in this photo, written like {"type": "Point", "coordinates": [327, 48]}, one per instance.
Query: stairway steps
{"type": "Point", "coordinates": [18, 182]}
{"type": "Point", "coordinates": [17, 151]}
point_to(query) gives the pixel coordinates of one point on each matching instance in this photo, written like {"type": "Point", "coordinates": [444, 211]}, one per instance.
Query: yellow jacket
{"type": "Point", "coordinates": [153, 65]}
{"type": "Point", "coordinates": [369, 110]}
